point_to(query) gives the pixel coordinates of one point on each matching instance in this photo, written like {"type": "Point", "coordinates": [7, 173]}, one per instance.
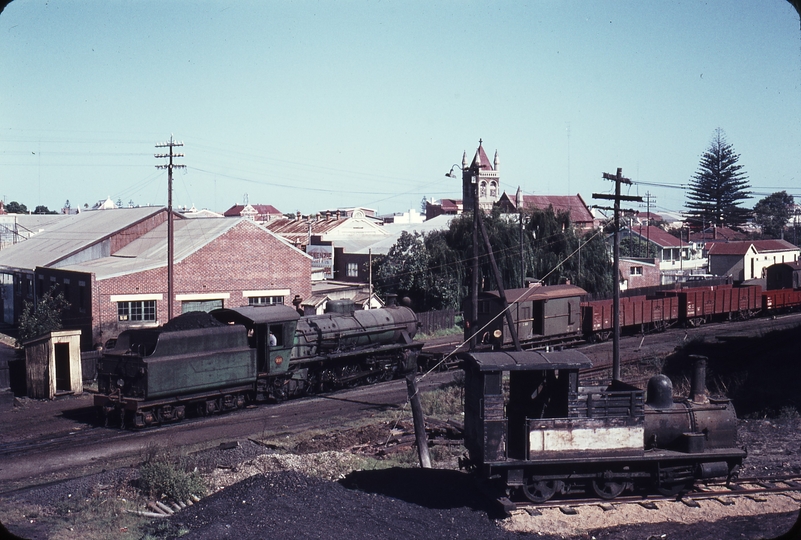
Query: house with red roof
{"type": "Point", "coordinates": [254, 212]}
{"type": "Point", "coordinates": [749, 259]}
{"type": "Point", "coordinates": [574, 205]}
{"type": "Point", "coordinates": [717, 234]}
{"type": "Point", "coordinates": [675, 259]}
{"type": "Point", "coordinates": [434, 208]}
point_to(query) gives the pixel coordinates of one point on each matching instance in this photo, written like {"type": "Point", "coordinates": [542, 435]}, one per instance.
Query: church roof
{"type": "Point", "coordinates": [481, 159]}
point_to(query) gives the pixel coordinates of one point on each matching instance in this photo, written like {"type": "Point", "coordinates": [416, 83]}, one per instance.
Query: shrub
{"type": "Point", "coordinates": [164, 478]}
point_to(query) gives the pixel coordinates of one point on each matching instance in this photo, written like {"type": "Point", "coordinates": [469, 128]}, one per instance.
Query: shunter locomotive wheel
{"type": "Point", "coordinates": [607, 489]}
{"type": "Point", "coordinates": [539, 491]}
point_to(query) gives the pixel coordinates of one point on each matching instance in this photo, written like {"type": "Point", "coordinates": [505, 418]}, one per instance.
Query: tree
{"type": "Point", "coordinates": [42, 316]}
{"type": "Point", "coordinates": [403, 271]}
{"type": "Point", "coordinates": [433, 269]}
{"type": "Point", "coordinates": [772, 213]}
{"type": "Point", "coordinates": [718, 187]}
{"type": "Point", "coordinates": [41, 209]}
{"type": "Point", "coordinates": [16, 208]}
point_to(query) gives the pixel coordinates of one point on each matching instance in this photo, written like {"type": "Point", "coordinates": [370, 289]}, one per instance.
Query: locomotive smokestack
{"type": "Point", "coordinates": [698, 392]}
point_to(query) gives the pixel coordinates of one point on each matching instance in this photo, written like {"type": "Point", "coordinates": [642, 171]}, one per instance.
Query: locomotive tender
{"type": "Point", "coordinates": [231, 357]}
{"type": "Point", "coordinates": [530, 429]}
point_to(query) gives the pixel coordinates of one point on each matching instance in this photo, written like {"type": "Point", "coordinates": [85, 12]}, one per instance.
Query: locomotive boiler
{"type": "Point", "coordinates": [230, 357]}
{"type": "Point", "coordinates": [532, 430]}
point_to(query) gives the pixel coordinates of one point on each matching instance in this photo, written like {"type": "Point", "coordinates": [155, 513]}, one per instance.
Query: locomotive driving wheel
{"type": "Point", "coordinates": [539, 491]}
{"type": "Point", "coordinates": [607, 489]}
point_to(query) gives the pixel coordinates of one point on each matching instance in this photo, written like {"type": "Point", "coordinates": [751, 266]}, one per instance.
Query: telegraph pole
{"type": "Point", "coordinates": [170, 231]}
{"type": "Point", "coordinates": [617, 197]}
{"type": "Point", "coordinates": [648, 200]}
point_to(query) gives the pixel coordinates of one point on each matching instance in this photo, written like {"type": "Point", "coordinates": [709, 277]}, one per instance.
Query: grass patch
{"type": "Point", "coordinates": [171, 480]}
{"type": "Point", "coordinates": [445, 402]}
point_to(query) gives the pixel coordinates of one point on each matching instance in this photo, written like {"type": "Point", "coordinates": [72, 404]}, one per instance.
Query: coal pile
{"type": "Point", "coordinates": [291, 505]}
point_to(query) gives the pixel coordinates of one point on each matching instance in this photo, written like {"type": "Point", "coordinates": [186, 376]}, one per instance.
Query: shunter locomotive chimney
{"type": "Point", "coordinates": [698, 393]}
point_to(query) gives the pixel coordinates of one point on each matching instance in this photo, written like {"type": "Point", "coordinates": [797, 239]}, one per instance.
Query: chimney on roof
{"type": "Point", "coordinates": [338, 215]}
{"type": "Point", "coordinates": [297, 215]}
{"type": "Point", "coordinates": [328, 215]}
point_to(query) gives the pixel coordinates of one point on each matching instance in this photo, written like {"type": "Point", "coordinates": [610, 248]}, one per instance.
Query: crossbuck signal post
{"type": "Point", "coordinates": [617, 197]}
{"type": "Point", "coordinates": [170, 231]}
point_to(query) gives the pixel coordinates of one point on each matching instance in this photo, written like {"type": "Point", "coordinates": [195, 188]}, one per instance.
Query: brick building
{"type": "Point", "coordinates": [118, 279]}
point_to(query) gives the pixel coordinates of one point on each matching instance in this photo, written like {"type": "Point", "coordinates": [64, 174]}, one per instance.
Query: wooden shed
{"type": "Point", "coordinates": [53, 364]}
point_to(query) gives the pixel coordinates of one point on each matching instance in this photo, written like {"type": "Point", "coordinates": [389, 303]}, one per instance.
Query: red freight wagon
{"type": "Point", "coordinates": [698, 305]}
{"type": "Point", "coordinates": [637, 313]}
{"type": "Point", "coordinates": [780, 300]}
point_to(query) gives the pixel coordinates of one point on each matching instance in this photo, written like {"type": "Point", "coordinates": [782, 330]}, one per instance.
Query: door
{"type": "Point", "coordinates": [62, 351]}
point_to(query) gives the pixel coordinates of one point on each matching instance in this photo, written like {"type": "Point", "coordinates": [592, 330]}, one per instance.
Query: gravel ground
{"type": "Point", "coordinates": [262, 493]}
{"type": "Point", "coordinates": [259, 492]}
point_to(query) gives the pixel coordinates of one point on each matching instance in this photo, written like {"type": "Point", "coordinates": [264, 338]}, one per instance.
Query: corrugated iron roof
{"type": "Point", "coordinates": [150, 250]}
{"type": "Point", "coordinates": [527, 360]}
{"type": "Point", "coordinates": [299, 228]}
{"type": "Point", "coordinates": [67, 237]}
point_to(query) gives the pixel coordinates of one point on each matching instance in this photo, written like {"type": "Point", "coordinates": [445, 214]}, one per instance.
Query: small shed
{"type": "Point", "coordinates": [53, 364]}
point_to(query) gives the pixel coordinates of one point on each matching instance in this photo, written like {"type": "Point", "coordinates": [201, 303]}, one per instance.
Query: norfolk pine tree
{"type": "Point", "coordinates": [717, 187]}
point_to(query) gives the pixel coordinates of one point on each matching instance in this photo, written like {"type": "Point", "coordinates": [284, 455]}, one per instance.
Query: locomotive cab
{"type": "Point", "coordinates": [270, 331]}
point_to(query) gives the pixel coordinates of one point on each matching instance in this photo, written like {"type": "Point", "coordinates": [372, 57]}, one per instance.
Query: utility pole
{"type": "Point", "coordinates": [170, 231]}
{"type": "Point", "coordinates": [648, 200]}
{"type": "Point", "coordinates": [522, 258]}
{"type": "Point", "coordinates": [617, 197]}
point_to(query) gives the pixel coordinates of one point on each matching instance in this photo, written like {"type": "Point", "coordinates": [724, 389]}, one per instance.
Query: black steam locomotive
{"type": "Point", "coordinates": [531, 430]}
{"type": "Point", "coordinates": [230, 357]}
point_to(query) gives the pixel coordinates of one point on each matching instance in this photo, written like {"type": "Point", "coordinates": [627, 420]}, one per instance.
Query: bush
{"type": "Point", "coordinates": [43, 316]}
{"type": "Point", "coordinates": [163, 478]}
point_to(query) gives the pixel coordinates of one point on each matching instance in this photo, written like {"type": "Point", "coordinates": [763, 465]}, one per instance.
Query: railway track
{"type": "Point", "coordinates": [753, 488]}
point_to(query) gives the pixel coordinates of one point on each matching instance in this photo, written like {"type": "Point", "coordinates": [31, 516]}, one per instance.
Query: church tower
{"type": "Point", "coordinates": [483, 173]}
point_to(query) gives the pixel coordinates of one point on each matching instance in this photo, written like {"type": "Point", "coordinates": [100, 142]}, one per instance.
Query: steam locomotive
{"type": "Point", "coordinates": [531, 430]}
{"type": "Point", "coordinates": [225, 359]}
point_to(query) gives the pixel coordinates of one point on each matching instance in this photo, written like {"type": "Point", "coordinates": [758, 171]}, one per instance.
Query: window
{"type": "Point", "coordinates": [482, 189]}
{"type": "Point", "coordinates": [201, 305]}
{"type": "Point", "coordinates": [144, 310]}
{"type": "Point", "coordinates": [265, 300]}
{"type": "Point", "coordinates": [353, 270]}
{"type": "Point", "coordinates": [276, 335]}
{"type": "Point", "coordinates": [636, 270]}
{"type": "Point", "coordinates": [493, 189]}
{"type": "Point", "coordinates": [82, 296]}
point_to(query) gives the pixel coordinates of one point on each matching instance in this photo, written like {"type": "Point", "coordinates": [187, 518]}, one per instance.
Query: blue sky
{"type": "Point", "coordinates": [314, 105]}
